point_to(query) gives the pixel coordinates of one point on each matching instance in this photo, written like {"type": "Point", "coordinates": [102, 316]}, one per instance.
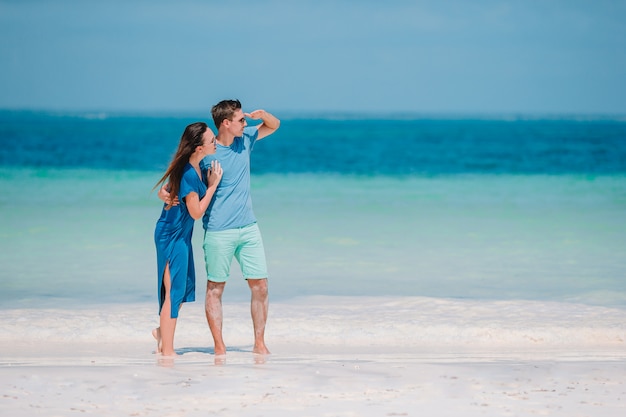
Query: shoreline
{"type": "Point", "coordinates": [363, 324]}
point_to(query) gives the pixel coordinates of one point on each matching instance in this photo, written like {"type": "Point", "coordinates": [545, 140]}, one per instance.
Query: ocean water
{"type": "Point", "coordinates": [450, 208]}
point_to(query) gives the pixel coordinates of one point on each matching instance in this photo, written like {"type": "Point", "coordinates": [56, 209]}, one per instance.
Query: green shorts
{"type": "Point", "coordinates": [244, 243]}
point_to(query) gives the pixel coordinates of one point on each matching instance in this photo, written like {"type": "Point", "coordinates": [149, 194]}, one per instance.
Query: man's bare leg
{"type": "Point", "coordinates": [213, 310]}
{"type": "Point", "coordinates": [259, 304]}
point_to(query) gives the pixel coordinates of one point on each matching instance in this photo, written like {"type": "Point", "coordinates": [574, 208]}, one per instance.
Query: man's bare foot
{"type": "Point", "coordinates": [166, 361]}
{"type": "Point", "coordinates": [219, 349]}
{"type": "Point", "coordinates": [156, 333]}
{"type": "Point", "coordinates": [259, 359]}
{"type": "Point", "coordinates": [261, 350]}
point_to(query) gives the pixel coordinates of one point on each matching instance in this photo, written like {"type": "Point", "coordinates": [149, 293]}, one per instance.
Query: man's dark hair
{"type": "Point", "coordinates": [224, 110]}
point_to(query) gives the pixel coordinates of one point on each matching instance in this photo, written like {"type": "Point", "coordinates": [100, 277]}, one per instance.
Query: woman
{"type": "Point", "coordinates": [172, 236]}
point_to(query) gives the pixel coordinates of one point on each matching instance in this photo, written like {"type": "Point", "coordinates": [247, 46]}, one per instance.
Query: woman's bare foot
{"type": "Point", "coordinates": [156, 333]}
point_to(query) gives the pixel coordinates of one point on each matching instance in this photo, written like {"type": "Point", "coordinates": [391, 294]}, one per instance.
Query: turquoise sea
{"type": "Point", "coordinates": [500, 208]}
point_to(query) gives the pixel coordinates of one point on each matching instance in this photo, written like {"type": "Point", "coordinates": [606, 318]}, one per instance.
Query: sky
{"type": "Point", "coordinates": [432, 56]}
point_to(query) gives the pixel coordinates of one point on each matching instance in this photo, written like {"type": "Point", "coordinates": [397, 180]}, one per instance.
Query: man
{"type": "Point", "coordinates": [229, 222]}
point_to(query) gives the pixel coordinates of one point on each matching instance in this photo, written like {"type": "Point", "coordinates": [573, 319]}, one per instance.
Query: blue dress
{"type": "Point", "coordinates": [172, 237]}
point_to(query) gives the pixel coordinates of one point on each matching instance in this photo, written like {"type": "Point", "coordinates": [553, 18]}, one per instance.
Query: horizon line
{"type": "Point", "coordinates": [335, 114]}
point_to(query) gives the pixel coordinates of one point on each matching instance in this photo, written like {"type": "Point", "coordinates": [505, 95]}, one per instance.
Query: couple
{"type": "Point", "coordinates": [209, 177]}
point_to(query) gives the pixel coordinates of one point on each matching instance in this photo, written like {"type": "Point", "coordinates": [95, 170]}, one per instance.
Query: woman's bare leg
{"type": "Point", "coordinates": [156, 333]}
{"type": "Point", "coordinates": [167, 323]}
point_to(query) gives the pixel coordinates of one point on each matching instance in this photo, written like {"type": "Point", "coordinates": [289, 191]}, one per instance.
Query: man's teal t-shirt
{"type": "Point", "coordinates": [231, 206]}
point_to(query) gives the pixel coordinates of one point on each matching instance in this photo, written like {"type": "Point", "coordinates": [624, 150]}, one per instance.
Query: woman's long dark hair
{"type": "Point", "coordinates": [191, 139]}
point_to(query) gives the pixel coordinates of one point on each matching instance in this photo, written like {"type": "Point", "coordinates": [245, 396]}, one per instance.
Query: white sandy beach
{"type": "Point", "coordinates": [331, 356]}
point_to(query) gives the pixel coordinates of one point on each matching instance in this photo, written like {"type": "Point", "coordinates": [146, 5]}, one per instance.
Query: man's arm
{"type": "Point", "coordinates": [164, 195]}
{"type": "Point", "coordinates": [270, 122]}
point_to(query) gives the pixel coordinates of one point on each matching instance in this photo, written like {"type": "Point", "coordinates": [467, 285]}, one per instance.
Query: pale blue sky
{"type": "Point", "coordinates": [527, 56]}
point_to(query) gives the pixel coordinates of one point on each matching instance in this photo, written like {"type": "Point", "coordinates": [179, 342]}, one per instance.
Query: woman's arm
{"type": "Point", "coordinates": [197, 206]}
